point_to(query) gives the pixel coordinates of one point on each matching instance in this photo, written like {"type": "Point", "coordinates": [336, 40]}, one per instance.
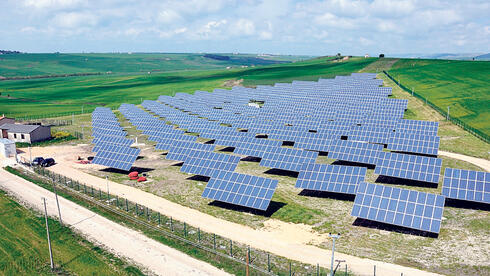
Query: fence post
{"type": "Point", "coordinates": [199, 235]}
{"type": "Point", "coordinates": [268, 262]}
{"type": "Point", "coordinates": [127, 205]}
{"type": "Point", "coordinates": [158, 218]}
{"type": "Point", "coordinates": [117, 201]}
{"type": "Point", "coordinates": [171, 224]}
{"type": "Point", "coordinates": [185, 229]}
{"type": "Point", "coordinates": [374, 270]}
{"type": "Point", "coordinates": [214, 241]}
{"type": "Point", "coordinates": [231, 248]}
{"type": "Point", "coordinates": [136, 209]}
{"type": "Point", "coordinates": [290, 269]}
{"type": "Point", "coordinates": [346, 270]}
{"type": "Point", "coordinates": [317, 269]}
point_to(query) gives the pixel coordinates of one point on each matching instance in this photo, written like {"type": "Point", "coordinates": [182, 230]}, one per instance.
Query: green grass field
{"type": "Point", "coordinates": [18, 65]}
{"type": "Point", "coordinates": [461, 85]}
{"type": "Point", "coordinates": [63, 95]}
{"type": "Point", "coordinates": [24, 248]}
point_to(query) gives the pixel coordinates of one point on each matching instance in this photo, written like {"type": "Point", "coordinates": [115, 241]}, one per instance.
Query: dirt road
{"type": "Point", "coordinates": [293, 241]}
{"type": "Point", "coordinates": [482, 163]}
{"type": "Point", "coordinates": [154, 256]}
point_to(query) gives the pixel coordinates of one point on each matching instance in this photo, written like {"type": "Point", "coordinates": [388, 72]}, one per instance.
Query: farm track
{"type": "Point", "coordinates": [154, 256]}
{"type": "Point", "coordinates": [275, 240]}
{"type": "Point", "coordinates": [482, 163]}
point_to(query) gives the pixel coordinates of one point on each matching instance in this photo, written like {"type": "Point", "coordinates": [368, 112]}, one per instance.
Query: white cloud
{"type": "Point", "coordinates": [41, 4]}
{"type": "Point", "coordinates": [331, 20]}
{"type": "Point", "coordinates": [72, 20]}
{"type": "Point", "coordinates": [243, 26]}
{"type": "Point", "coordinates": [168, 16]}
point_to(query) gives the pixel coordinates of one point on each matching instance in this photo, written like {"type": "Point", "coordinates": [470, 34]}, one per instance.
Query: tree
{"type": "Point", "coordinates": [381, 55]}
{"type": "Point", "coordinates": [338, 54]}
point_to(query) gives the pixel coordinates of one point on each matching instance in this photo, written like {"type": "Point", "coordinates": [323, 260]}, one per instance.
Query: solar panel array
{"type": "Point", "coordinates": [401, 207]}
{"type": "Point", "coordinates": [466, 185]}
{"type": "Point", "coordinates": [241, 189]}
{"type": "Point", "coordinates": [416, 143]}
{"type": "Point", "coordinates": [111, 147]}
{"type": "Point", "coordinates": [408, 166]}
{"type": "Point", "coordinates": [330, 178]}
{"type": "Point", "coordinates": [350, 117]}
{"type": "Point", "coordinates": [206, 163]}
{"type": "Point", "coordinates": [183, 150]}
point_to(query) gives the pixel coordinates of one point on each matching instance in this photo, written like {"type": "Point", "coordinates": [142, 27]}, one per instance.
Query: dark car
{"type": "Point", "coordinates": [37, 161]}
{"type": "Point", "coordinates": [48, 162]}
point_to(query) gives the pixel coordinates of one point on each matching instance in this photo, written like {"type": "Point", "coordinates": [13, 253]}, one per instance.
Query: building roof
{"type": "Point", "coordinates": [18, 128]}
{"type": "Point", "coordinates": [6, 141]}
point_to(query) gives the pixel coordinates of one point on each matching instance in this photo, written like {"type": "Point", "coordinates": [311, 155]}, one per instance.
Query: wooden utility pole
{"type": "Point", "coordinates": [47, 231]}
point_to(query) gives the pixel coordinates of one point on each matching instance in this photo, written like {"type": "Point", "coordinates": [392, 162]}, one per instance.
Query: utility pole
{"type": "Point", "coordinates": [30, 156]}
{"type": "Point", "coordinates": [334, 237]}
{"type": "Point", "coordinates": [47, 231]}
{"type": "Point", "coordinates": [447, 117]}
{"type": "Point", "coordinates": [57, 202]}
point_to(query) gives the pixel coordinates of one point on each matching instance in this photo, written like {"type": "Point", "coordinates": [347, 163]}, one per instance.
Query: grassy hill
{"type": "Point", "coordinates": [17, 65]}
{"type": "Point", "coordinates": [461, 85]}
{"type": "Point", "coordinates": [64, 95]}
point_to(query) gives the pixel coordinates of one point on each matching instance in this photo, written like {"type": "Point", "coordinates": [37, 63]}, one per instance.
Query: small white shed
{"type": "Point", "coordinates": [7, 147]}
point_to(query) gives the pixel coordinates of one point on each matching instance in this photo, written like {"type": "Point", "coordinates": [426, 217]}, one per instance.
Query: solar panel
{"type": "Point", "coordinates": [256, 147]}
{"type": "Point", "coordinates": [417, 143]}
{"type": "Point", "coordinates": [287, 158]}
{"type": "Point", "coordinates": [352, 151]}
{"type": "Point", "coordinates": [115, 140]}
{"type": "Point", "coordinates": [165, 141]}
{"type": "Point", "coordinates": [116, 157]}
{"type": "Point", "coordinates": [330, 178]}
{"type": "Point", "coordinates": [241, 189]}
{"type": "Point", "coordinates": [408, 166]}
{"type": "Point", "coordinates": [401, 207]}
{"type": "Point", "coordinates": [466, 185]}
{"type": "Point", "coordinates": [416, 126]}
{"type": "Point", "coordinates": [205, 163]}
{"type": "Point", "coordinates": [182, 150]}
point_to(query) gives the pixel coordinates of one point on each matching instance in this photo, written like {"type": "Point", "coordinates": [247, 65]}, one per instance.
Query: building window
{"type": "Point", "coordinates": [15, 135]}
{"type": "Point", "coordinates": [22, 136]}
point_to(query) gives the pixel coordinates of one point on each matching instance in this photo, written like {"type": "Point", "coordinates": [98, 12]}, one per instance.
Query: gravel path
{"type": "Point", "coordinates": [152, 255]}
{"type": "Point", "coordinates": [482, 163]}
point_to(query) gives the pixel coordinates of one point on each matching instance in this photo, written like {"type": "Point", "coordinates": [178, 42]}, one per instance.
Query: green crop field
{"type": "Point", "coordinates": [461, 85]}
{"type": "Point", "coordinates": [70, 94]}
{"type": "Point", "coordinates": [24, 247]}
{"type": "Point", "coordinates": [18, 65]}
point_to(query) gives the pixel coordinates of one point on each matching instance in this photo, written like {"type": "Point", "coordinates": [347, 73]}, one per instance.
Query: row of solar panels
{"type": "Point", "coordinates": [111, 147]}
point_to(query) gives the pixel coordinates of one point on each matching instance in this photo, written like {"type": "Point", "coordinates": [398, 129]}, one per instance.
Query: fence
{"type": "Point", "coordinates": [86, 110]}
{"type": "Point", "coordinates": [454, 120]}
{"type": "Point", "coordinates": [46, 122]}
{"type": "Point", "coordinates": [259, 262]}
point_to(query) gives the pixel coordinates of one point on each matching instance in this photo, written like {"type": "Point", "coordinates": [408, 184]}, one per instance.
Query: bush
{"type": "Point", "coordinates": [61, 135]}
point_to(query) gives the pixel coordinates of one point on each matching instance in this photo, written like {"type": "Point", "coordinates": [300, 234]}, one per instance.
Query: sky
{"type": "Point", "coordinates": [246, 26]}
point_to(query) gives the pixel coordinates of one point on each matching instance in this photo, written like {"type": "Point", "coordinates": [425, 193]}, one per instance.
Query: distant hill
{"type": "Point", "coordinates": [483, 57]}
{"type": "Point", "coordinates": [22, 65]}
{"type": "Point", "coordinates": [450, 56]}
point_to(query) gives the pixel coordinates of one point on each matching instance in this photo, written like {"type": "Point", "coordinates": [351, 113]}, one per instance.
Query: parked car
{"type": "Point", "coordinates": [48, 162]}
{"type": "Point", "coordinates": [37, 161]}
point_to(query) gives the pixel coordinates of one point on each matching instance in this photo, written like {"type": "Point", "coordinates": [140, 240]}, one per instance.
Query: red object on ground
{"type": "Point", "coordinates": [133, 174]}
{"type": "Point", "coordinates": [133, 178]}
{"type": "Point", "coordinates": [141, 179]}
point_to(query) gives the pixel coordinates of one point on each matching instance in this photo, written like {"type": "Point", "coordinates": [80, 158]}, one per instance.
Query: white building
{"type": "Point", "coordinates": [7, 147]}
